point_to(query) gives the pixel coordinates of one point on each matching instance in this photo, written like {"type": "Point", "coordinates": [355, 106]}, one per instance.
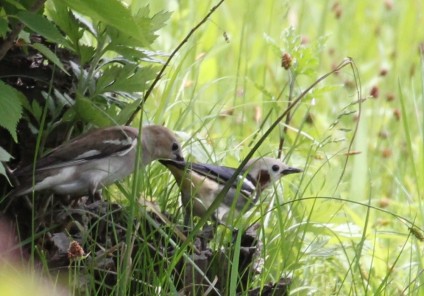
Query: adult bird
{"type": "Point", "coordinates": [96, 159]}
{"type": "Point", "coordinates": [200, 184]}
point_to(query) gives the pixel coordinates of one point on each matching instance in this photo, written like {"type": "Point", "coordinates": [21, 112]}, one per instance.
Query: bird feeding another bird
{"type": "Point", "coordinates": [200, 184]}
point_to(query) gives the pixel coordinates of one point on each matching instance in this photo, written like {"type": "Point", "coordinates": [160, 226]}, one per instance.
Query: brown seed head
{"type": "Point", "coordinates": [374, 92]}
{"type": "Point", "coordinates": [286, 61]}
{"type": "Point", "coordinates": [75, 251]}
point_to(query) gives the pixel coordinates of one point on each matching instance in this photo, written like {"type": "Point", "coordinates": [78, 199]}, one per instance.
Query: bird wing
{"type": "Point", "coordinates": [221, 174]}
{"type": "Point", "coordinates": [115, 141]}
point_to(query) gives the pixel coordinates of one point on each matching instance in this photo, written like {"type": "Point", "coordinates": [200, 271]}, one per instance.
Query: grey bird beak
{"type": "Point", "coordinates": [180, 164]}
{"type": "Point", "coordinates": [291, 170]}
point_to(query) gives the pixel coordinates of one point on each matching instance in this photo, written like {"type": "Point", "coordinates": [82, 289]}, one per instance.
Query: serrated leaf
{"type": "Point", "coordinates": [275, 47]}
{"type": "Point", "coordinates": [85, 23]}
{"type": "Point", "coordinates": [134, 82]}
{"type": "Point", "coordinates": [127, 51]}
{"type": "Point", "coordinates": [111, 74]}
{"type": "Point", "coordinates": [89, 112]}
{"type": "Point", "coordinates": [42, 26]}
{"type": "Point", "coordinates": [148, 25]}
{"type": "Point", "coordinates": [61, 15]}
{"type": "Point", "coordinates": [125, 79]}
{"type": "Point", "coordinates": [112, 13]}
{"type": "Point", "coordinates": [10, 108]}
{"type": "Point", "coordinates": [159, 19]}
{"type": "Point", "coordinates": [45, 51]}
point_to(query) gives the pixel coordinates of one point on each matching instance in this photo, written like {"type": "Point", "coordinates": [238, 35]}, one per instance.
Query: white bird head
{"type": "Point", "coordinates": [160, 143]}
{"type": "Point", "coordinates": [267, 170]}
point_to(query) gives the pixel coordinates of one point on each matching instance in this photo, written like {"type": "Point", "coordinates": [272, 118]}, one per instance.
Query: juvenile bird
{"type": "Point", "coordinates": [96, 159]}
{"type": "Point", "coordinates": [201, 183]}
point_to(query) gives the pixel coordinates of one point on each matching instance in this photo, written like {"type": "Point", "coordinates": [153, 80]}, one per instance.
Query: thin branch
{"type": "Point", "coordinates": [11, 37]}
{"type": "Point", "coordinates": [159, 76]}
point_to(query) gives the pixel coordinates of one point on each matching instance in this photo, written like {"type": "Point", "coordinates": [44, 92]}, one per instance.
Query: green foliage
{"type": "Point", "coordinates": [343, 228]}
{"type": "Point", "coordinates": [87, 62]}
{"type": "Point", "coordinates": [101, 49]}
{"type": "Point", "coordinates": [4, 157]}
{"type": "Point", "coordinates": [304, 56]}
{"type": "Point", "coordinates": [318, 233]}
{"type": "Point", "coordinates": [45, 51]}
{"type": "Point", "coordinates": [88, 110]}
{"type": "Point", "coordinates": [3, 26]}
{"type": "Point", "coordinates": [10, 108]}
{"type": "Point", "coordinates": [42, 26]}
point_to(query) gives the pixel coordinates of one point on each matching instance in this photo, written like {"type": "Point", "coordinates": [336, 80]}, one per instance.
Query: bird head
{"type": "Point", "coordinates": [161, 143]}
{"type": "Point", "coordinates": [267, 170]}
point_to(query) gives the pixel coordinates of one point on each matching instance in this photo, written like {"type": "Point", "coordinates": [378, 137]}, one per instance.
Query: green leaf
{"type": "Point", "coordinates": [62, 16]}
{"type": "Point", "coordinates": [15, 4]}
{"type": "Point", "coordinates": [45, 51]}
{"type": "Point", "coordinates": [43, 26]}
{"type": "Point", "coordinates": [4, 27]}
{"type": "Point", "coordinates": [86, 23]}
{"type": "Point", "coordinates": [90, 112]}
{"type": "Point", "coordinates": [135, 82]}
{"type": "Point", "coordinates": [69, 115]}
{"type": "Point", "coordinates": [159, 19]}
{"type": "Point", "coordinates": [4, 157]}
{"type": "Point", "coordinates": [148, 25]}
{"type": "Point", "coordinates": [25, 103]}
{"type": "Point", "coordinates": [113, 73]}
{"type": "Point", "coordinates": [129, 78]}
{"type": "Point", "coordinates": [86, 53]}
{"type": "Point", "coordinates": [131, 53]}
{"type": "Point", "coordinates": [112, 13]}
{"type": "Point", "coordinates": [127, 111]}
{"type": "Point", "coordinates": [10, 108]}
{"type": "Point", "coordinates": [36, 110]}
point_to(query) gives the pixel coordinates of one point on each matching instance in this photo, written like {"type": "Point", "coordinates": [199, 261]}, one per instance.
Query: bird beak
{"type": "Point", "coordinates": [180, 164]}
{"type": "Point", "coordinates": [291, 170]}
{"type": "Point", "coordinates": [179, 157]}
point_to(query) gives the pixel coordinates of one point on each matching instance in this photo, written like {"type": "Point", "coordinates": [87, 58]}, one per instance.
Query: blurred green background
{"type": "Point", "coordinates": [228, 78]}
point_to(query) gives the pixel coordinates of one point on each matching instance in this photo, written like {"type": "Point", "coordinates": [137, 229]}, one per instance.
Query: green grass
{"type": "Point", "coordinates": [351, 223]}
{"type": "Point", "coordinates": [325, 229]}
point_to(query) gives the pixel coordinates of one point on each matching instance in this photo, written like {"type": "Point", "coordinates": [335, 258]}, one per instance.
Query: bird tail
{"type": "Point", "coordinates": [19, 188]}
{"type": "Point", "coordinates": [11, 178]}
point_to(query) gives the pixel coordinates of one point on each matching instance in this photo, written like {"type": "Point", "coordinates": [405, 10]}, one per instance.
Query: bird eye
{"type": "Point", "coordinates": [275, 168]}
{"type": "Point", "coordinates": [175, 147]}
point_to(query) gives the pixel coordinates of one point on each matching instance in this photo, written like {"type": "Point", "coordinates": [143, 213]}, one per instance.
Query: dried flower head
{"type": "Point", "coordinates": [75, 251]}
{"type": "Point", "coordinates": [286, 61]}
